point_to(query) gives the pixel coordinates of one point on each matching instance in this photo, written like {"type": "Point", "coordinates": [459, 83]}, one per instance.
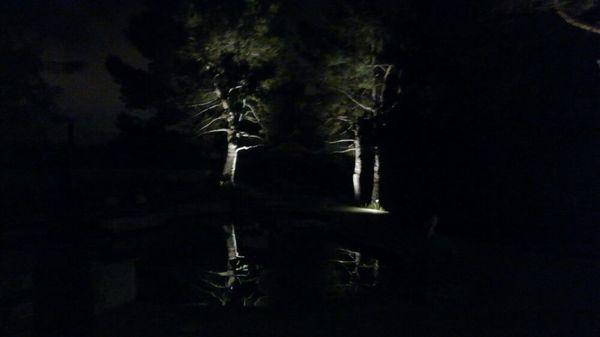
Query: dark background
{"type": "Point", "coordinates": [496, 133]}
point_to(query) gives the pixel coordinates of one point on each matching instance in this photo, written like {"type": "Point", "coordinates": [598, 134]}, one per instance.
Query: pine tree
{"type": "Point", "coordinates": [211, 61]}
{"type": "Point", "coordinates": [364, 84]}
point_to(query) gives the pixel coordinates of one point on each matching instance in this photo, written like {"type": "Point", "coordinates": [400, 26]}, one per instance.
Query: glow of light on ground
{"type": "Point", "coordinates": [364, 210]}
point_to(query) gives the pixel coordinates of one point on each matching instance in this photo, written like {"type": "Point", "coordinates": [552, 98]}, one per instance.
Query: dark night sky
{"type": "Point", "coordinates": [87, 31]}
{"type": "Point", "coordinates": [90, 30]}
{"type": "Point", "coordinates": [90, 96]}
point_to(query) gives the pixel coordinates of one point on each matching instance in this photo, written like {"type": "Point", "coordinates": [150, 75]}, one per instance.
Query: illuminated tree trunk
{"type": "Point", "coordinates": [376, 178]}
{"type": "Point", "coordinates": [232, 249]}
{"type": "Point", "coordinates": [357, 168]}
{"type": "Point", "coordinates": [232, 255]}
{"type": "Point", "coordinates": [228, 175]}
{"type": "Point", "coordinates": [230, 240]}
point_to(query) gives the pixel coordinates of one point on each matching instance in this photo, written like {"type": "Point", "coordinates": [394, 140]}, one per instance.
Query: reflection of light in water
{"type": "Point", "coordinates": [350, 209]}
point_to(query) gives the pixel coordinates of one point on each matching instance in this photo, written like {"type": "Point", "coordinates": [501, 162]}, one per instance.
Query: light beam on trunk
{"type": "Point", "coordinates": [375, 201]}
{"type": "Point", "coordinates": [357, 169]}
{"type": "Point", "coordinates": [230, 164]}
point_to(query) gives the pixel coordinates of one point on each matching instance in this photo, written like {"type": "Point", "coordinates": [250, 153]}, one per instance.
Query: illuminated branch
{"type": "Point", "coordinates": [362, 106]}
{"type": "Point", "coordinates": [573, 21]}
{"type": "Point", "coordinates": [345, 151]}
{"type": "Point", "coordinates": [339, 118]}
{"type": "Point", "coordinates": [348, 252]}
{"type": "Point", "coordinates": [384, 85]}
{"type": "Point", "coordinates": [344, 262]}
{"type": "Point", "coordinates": [203, 104]}
{"type": "Point", "coordinates": [351, 127]}
{"type": "Point", "coordinates": [246, 104]}
{"type": "Point", "coordinates": [246, 116]}
{"type": "Point", "coordinates": [215, 131]}
{"type": "Point", "coordinates": [247, 135]}
{"type": "Point", "coordinates": [227, 273]}
{"type": "Point", "coordinates": [381, 66]}
{"type": "Point", "coordinates": [341, 141]}
{"type": "Point", "coordinates": [243, 148]}
{"type": "Point", "coordinates": [205, 110]}
{"type": "Point", "coordinates": [212, 122]}
{"type": "Point", "coordinates": [234, 88]}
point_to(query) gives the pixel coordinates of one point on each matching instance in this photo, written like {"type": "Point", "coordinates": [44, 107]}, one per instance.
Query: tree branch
{"type": "Point", "coordinates": [388, 71]}
{"type": "Point", "coordinates": [205, 110]}
{"type": "Point", "coordinates": [246, 116]}
{"type": "Point", "coordinates": [203, 104]}
{"type": "Point", "coordinates": [247, 135]}
{"type": "Point", "coordinates": [380, 66]}
{"type": "Point", "coordinates": [234, 88]}
{"type": "Point", "coordinates": [362, 106]}
{"type": "Point", "coordinates": [243, 148]}
{"type": "Point", "coordinates": [212, 122]}
{"type": "Point", "coordinates": [215, 131]}
{"type": "Point", "coordinates": [573, 21]}
{"type": "Point", "coordinates": [246, 104]}
{"type": "Point", "coordinates": [341, 141]}
{"type": "Point", "coordinates": [345, 151]}
{"type": "Point", "coordinates": [339, 118]}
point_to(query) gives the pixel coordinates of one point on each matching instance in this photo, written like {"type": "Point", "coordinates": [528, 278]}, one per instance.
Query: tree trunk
{"type": "Point", "coordinates": [376, 166]}
{"type": "Point", "coordinates": [232, 254]}
{"type": "Point", "coordinates": [232, 249]}
{"type": "Point", "coordinates": [357, 168]}
{"type": "Point", "coordinates": [230, 164]}
{"type": "Point", "coordinates": [228, 177]}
